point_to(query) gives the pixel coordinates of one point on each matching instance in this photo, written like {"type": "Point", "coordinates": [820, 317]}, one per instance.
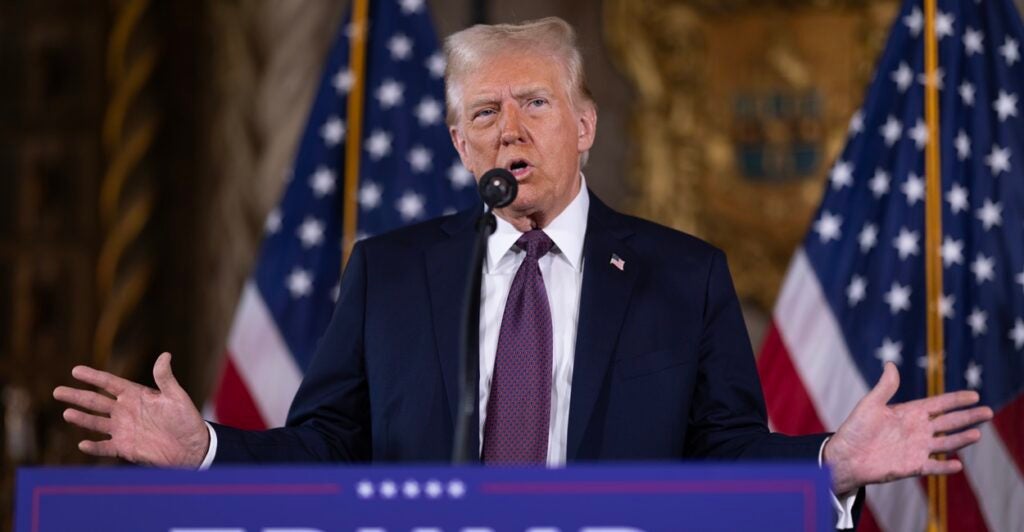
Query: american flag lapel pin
{"type": "Point", "coordinates": [618, 262]}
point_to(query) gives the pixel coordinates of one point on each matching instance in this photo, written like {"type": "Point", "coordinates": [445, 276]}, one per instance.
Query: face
{"type": "Point", "coordinates": [516, 113]}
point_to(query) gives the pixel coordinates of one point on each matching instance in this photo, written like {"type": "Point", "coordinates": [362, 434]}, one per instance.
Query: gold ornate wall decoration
{"type": "Point", "coordinates": [743, 105]}
{"type": "Point", "coordinates": [125, 266]}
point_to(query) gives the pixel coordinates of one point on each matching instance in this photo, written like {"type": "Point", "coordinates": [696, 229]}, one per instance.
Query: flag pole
{"type": "Point", "coordinates": [357, 65]}
{"type": "Point", "coordinates": [937, 514]}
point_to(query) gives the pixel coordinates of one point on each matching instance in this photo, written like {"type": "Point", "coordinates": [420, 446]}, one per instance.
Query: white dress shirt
{"type": "Point", "coordinates": [562, 270]}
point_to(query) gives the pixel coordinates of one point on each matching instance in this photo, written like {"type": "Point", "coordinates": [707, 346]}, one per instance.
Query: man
{"type": "Point", "coordinates": [602, 336]}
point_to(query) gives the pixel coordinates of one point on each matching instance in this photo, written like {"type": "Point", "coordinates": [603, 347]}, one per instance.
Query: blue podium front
{"type": "Point", "coordinates": [426, 499]}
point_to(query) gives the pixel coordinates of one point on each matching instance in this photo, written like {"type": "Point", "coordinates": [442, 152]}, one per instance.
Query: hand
{"type": "Point", "coordinates": [882, 443]}
{"type": "Point", "coordinates": [146, 426]}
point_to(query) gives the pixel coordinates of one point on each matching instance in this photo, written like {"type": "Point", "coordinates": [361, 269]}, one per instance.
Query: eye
{"type": "Point", "coordinates": [483, 113]}
{"type": "Point", "coordinates": [538, 102]}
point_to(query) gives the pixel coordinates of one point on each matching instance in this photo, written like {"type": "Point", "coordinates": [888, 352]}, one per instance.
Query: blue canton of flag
{"type": "Point", "coordinates": [409, 171]}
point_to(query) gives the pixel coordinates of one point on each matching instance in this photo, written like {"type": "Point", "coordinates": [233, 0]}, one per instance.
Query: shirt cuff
{"type": "Point", "coordinates": [211, 453]}
{"type": "Point", "coordinates": [844, 506]}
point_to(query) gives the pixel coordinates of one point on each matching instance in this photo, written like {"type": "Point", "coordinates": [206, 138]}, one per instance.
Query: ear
{"type": "Point", "coordinates": [587, 127]}
{"type": "Point", "coordinates": [460, 146]}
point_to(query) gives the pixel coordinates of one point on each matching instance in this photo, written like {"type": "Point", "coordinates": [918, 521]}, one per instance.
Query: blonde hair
{"type": "Point", "coordinates": [467, 49]}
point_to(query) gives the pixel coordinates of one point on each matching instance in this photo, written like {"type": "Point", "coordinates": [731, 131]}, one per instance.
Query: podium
{"type": "Point", "coordinates": [625, 498]}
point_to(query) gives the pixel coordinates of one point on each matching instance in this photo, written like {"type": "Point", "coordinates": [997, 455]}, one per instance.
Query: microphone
{"type": "Point", "coordinates": [498, 188]}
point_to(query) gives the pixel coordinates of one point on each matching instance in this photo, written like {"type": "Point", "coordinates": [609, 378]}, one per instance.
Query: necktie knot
{"type": "Point", "coordinates": [536, 243]}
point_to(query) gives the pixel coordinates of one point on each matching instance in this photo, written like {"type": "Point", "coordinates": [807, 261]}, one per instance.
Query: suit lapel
{"type": "Point", "coordinates": [604, 299]}
{"type": "Point", "coordinates": [447, 265]}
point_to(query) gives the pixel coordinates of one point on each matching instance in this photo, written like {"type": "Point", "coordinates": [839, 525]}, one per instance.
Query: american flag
{"type": "Point", "coordinates": [409, 172]}
{"type": "Point", "coordinates": [854, 296]}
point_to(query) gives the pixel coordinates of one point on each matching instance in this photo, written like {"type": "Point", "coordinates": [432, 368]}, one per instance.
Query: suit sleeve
{"type": "Point", "coordinates": [329, 420]}
{"type": "Point", "coordinates": [727, 417]}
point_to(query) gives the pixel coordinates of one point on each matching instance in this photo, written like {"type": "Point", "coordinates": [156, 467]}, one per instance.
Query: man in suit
{"type": "Point", "coordinates": [602, 336]}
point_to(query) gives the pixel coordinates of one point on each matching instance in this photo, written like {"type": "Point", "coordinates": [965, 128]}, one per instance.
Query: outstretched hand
{"type": "Point", "coordinates": [880, 443]}
{"type": "Point", "coordinates": [146, 426]}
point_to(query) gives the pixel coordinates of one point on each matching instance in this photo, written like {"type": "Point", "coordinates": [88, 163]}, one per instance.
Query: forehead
{"type": "Point", "coordinates": [511, 71]}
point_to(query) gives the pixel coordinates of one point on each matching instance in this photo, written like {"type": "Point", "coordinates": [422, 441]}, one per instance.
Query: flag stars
{"type": "Point", "coordinates": [906, 243]}
{"type": "Point", "coordinates": [944, 25]}
{"type": "Point", "coordinates": [273, 223]}
{"type": "Point", "coordinates": [913, 189]}
{"type": "Point", "coordinates": [990, 214]}
{"type": "Point", "coordinates": [898, 298]}
{"type": "Point", "coordinates": [973, 40]}
{"type": "Point", "coordinates": [400, 47]}
{"type": "Point", "coordinates": [856, 290]}
{"type": "Point", "coordinates": [436, 65]}
{"type": "Point", "coordinates": [842, 175]}
{"type": "Point", "coordinates": [935, 79]}
{"type": "Point", "coordinates": [828, 226]}
{"type": "Point", "coordinates": [903, 76]}
{"type": "Point", "coordinates": [1017, 334]}
{"type": "Point", "coordinates": [983, 268]}
{"type": "Point", "coordinates": [310, 232]}
{"type": "Point", "coordinates": [322, 181]}
{"type": "Point", "coordinates": [299, 283]}
{"type": "Point", "coordinates": [343, 81]}
{"type": "Point", "coordinates": [914, 21]}
{"type": "Point", "coordinates": [879, 183]}
{"type": "Point", "coordinates": [962, 143]}
{"type": "Point", "coordinates": [1005, 105]}
{"type": "Point", "coordinates": [856, 123]}
{"type": "Point", "coordinates": [370, 195]}
{"type": "Point", "coordinates": [919, 133]}
{"type": "Point", "coordinates": [333, 131]}
{"type": "Point", "coordinates": [978, 322]}
{"type": "Point", "coordinates": [459, 176]}
{"type": "Point", "coordinates": [957, 198]}
{"type": "Point", "coordinates": [420, 159]}
{"type": "Point", "coordinates": [891, 130]}
{"type": "Point", "coordinates": [998, 160]}
{"type": "Point", "coordinates": [410, 206]}
{"type": "Point", "coordinates": [973, 375]}
{"type": "Point", "coordinates": [378, 145]}
{"type": "Point", "coordinates": [411, 6]}
{"type": "Point", "coordinates": [890, 352]}
{"type": "Point", "coordinates": [1010, 51]}
{"type": "Point", "coordinates": [952, 251]}
{"type": "Point", "coordinates": [868, 237]}
{"type": "Point", "coordinates": [966, 91]}
{"type": "Point", "coordinates": [428, 112]}
{"type": "Point", "coordinates": [946, 304]}
{"type": "Point", "coordinates": [1020, 279]}
{"type": "Point", "coordinates": [389, 93]}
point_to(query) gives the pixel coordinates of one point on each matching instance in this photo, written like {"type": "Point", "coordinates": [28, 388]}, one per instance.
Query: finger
{"type": "Point", "coordinates": [941, 467]}
{"type": "Point", "coordinates": [959, 419]}
{"type": "Point", "coordinates": [113, 384]}
{"type": "Point", "coordinates": [954, 442]}
{"type": "Point", "coordinates": [87, 421]}
{"type": "Point", "coordinates": [887, 385]}
{"type": "Point", "coordinates": [164, 377]}
{"type": "Point", "coordinates": [98, 448]}
{"type": "Point", "coordinates": [86, 399]}
{"type": "Point", "coordinates": [947, 401]}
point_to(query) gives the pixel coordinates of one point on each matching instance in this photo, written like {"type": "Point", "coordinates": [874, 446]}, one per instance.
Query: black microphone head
{"type": "Point", "coordinates": [498, 188]}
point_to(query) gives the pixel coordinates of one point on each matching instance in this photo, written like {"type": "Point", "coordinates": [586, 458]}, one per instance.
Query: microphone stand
{"type": "Point", "coordinates": [464, 451]}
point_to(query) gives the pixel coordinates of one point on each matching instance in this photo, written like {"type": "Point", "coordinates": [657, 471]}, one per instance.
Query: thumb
{"type": "Point", "coordinates": [163, 376]}
{"type": "Point", "coordinates": [887, 385]}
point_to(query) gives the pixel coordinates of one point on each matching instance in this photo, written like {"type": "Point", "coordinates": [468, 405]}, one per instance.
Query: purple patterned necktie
{"type": "Point", "coordinates": [519, 406]}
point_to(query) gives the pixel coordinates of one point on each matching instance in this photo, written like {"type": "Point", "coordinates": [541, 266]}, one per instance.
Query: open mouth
{"type": "Point", "coordinates": [519, 167]}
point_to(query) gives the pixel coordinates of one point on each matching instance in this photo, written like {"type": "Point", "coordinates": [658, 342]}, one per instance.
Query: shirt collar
{"type": "Point", "coordinates": [567, 231]}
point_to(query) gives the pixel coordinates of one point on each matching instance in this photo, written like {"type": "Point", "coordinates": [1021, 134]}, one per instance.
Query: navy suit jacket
{"type": "Point", "coordinates": [663, 367]}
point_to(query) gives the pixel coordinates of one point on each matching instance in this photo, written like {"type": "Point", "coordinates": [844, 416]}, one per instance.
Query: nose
{"type": "Point", "coordinates": [511, 126]}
